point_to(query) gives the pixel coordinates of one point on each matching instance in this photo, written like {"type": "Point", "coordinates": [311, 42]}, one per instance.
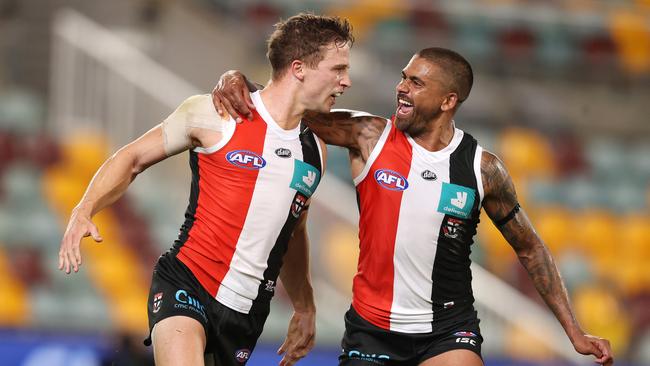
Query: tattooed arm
{"type": "Point", "coordinates": [499, 203]}
{"type": "Point", "coordinates": [358, 131]}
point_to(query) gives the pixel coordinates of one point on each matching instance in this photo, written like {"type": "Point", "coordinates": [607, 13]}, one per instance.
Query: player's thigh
{"type": "Point", "coordinates": [456, 357]}
{"type": "Point", "coordinates": [178, 341]}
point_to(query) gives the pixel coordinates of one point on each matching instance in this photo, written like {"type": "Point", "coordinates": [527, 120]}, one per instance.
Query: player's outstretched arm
{"type": "Point", "coordinates": [295, 276]}
{"type": "Point", "coordinates": [501, 205]}
{"type": "Point", "coordinates": [194, 122]}
{"type": "Point", "coordinates": [109, 183]}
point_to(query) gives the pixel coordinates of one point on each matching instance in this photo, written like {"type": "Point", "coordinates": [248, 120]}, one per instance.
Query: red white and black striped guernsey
{"type": "Point", "coordinates": [418, 215]}
{"type": "Point", "coordinates": [246, 196]}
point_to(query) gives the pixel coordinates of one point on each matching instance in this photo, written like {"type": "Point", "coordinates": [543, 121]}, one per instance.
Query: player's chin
{"type": "Point", "coordinates": [324, 108]}
{"type": "Point", "coordinates": [402, 123]}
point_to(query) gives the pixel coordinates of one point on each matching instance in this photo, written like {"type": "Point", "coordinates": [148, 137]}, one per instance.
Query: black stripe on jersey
{"type": "Point", "coordinates": [310, 155]}
{"type": "Point", "coordinates": [191, 207]}
{"type": "Point", "coordinates": [310, 149]}
{"type": "Point", "coordinates": [452, 277]}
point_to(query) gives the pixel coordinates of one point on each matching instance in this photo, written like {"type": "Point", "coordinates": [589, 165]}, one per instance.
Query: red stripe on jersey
{"type": "Point", "coordinates": [379, 207]}
{"type": "Point", "coordinates": [225, 193]}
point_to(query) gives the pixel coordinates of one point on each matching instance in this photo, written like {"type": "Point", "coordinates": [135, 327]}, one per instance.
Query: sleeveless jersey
{"type": "Point", "coordinates": [418, 215]}
{"type": "Point", "coordinates": [246, 196]}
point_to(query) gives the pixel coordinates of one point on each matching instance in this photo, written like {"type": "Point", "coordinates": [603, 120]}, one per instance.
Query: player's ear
{"type": "Point", "coordinates": [298, 69]}
{"type": "Point", "coordinates": [450, 102]}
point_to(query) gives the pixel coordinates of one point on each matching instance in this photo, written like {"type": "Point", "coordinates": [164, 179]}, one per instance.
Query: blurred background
{"type": "Point", "coordinates": [562, 95]}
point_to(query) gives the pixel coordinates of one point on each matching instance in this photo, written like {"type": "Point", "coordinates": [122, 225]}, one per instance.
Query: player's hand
{"type": "Point", "coordinates": [231, 96]}
{"type": "Point", "coordinates": [79, 227]}
{"type": "Point", "coordinates": [591, 345]}
{"type": "Point", "coordinates": [300, 337]}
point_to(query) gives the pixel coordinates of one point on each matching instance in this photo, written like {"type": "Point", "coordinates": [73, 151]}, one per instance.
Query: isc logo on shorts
{"type": "Point", "coordinates": [391, 180]}
{"type": "Point", "coordinates": [465, 337]}
{"type": "Point", "coordinates": [466, 340]}
{"type": "Point", "coordinates": [242, 355]}
{"type": "Point", "coordinates": [246, 159]}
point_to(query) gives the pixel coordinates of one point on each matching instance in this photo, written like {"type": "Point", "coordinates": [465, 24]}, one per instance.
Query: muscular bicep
{"type": "Point", "coordinates": [145, 151]}
{"type": "Point", "coordinates": [502, 206]}
{"type": "Point", "coordinates": [347, 128]}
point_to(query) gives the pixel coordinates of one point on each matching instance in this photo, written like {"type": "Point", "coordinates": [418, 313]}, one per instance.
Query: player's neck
{"type": "Point", "coordinates": [438, 136]}
{"type": "Point", "coordinates": [279, 98]}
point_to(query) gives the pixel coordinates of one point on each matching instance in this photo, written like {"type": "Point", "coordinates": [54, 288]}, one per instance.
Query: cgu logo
{"type": "Point", "coordinates": [356, 354]}
{"type": "Point", "coordinates": [391, 180]}
{"type": "Point", "coordinates": [246, 159]}
{"type": "Point", "coordinates": [183, 298]}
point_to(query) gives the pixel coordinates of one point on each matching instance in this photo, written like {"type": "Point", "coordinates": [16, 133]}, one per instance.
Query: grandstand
{"type": "Point", "coordinates": [561, 96]}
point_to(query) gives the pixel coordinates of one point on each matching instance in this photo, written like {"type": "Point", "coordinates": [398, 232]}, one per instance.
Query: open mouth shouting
{"type": "Point", "coordinates": [333, 97]}
{"type": "Point", "coordinates": [404, 107]}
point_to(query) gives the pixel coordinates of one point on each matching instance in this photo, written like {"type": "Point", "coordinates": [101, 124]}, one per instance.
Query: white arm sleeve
{"type": "Point", "coordinates": [195, 112]}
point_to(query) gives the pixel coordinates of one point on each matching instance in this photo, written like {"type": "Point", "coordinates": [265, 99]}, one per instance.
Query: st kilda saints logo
{"type": "Point", "coordinates": [157, 301]}
{"type": "Point", "coordinates": [452, 228]}
{"type": "Point", "coordinates": [298, 204]}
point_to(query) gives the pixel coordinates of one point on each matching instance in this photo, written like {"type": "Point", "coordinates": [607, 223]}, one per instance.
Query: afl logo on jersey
{"type": "Point", "coordinates": [391, 180]}
{"type": "Point", "coordinates": [246, 159]}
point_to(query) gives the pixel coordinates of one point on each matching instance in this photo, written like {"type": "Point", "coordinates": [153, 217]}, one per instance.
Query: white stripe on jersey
{"type": "Point", "coordinates": [416, 241]}
{"type": "Point", "coordinates": [270, 205]}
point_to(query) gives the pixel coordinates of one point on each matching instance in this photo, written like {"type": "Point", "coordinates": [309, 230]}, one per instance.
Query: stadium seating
{"type": "Point", "coordinates": [588, 194]}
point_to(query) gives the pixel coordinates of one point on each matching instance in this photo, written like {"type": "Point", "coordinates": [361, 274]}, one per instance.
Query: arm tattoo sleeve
{"type": "Point", "coordinates": [500, 199]}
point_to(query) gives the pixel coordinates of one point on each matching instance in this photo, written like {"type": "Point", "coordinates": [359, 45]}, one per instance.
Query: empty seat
{"type": "Point", "coordinates": [576, 269]}
{"type": "Point", "coordinates": [583, 193]}
{"type": "Point", "coordinates": [15, 309]}
{"type": "Point", "coordinates": [599, 310]}
{"type": "Point", "coordinates": [526, 153]}
{"type": "Point", "coordinates": [340, 249]}
{"type": "Point", "coordinates": [597, 233]}
{"type": "Point", "coordinates": [630, 34]}
{"type": "Point", "coordinates": [606, 159]}
{"type": "Point", "coordinates": [555, 225]}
